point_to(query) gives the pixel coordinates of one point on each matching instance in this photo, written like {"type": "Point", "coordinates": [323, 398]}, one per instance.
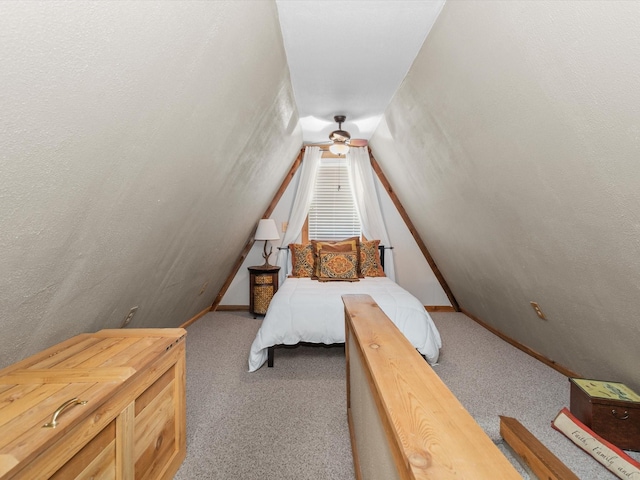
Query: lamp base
{"type": "Point", "coordinates": [266, 256]}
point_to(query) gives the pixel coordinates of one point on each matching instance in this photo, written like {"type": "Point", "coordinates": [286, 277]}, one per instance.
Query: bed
{"type": "Point", "coordinates": [308, 311]}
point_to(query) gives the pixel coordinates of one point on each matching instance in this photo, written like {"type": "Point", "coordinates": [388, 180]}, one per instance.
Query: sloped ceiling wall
{"type": "Point", "coordinates": [133, 139]}
{"type": "Point", "coordinates": [514, 145]}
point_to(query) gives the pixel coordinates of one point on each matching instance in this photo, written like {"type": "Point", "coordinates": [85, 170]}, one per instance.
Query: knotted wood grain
{"type": "Point", "coordinates": [428, 431]}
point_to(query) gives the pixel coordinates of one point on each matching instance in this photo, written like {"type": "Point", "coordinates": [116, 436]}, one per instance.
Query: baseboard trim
{"type": "Point", "coordinates": [232, 308]}
{"type": "Point", "coordinates": [196, 317]}
{"type": "Point", "coordinates": [529, 351]}
{"type": "Point", "coordinates": [439, 308]}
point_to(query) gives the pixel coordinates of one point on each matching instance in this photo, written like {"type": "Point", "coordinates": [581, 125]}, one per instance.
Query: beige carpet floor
{"type": "Point", "coordinates": [289, 422]}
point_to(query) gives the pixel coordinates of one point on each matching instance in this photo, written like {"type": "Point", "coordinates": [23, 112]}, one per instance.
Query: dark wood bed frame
{"type": "Point", "coordinates": [271, 351]}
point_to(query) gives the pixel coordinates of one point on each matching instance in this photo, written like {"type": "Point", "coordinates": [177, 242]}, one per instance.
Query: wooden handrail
{"type": "Point", "coordinates": [404, 421]}
{"type": "Point", "coordinates": [533, 453]}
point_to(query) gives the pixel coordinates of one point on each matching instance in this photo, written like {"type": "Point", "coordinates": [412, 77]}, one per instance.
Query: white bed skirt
{"type": "Point", "coordinates": [305, 310]}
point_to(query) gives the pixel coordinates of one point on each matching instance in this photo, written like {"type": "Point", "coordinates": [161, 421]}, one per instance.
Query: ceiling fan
{"type": "Point", "coordinates": [341, 139]}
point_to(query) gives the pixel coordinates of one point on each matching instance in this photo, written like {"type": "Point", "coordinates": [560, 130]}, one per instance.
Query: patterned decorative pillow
{"type": "Point", "coordinates": [370, 259]}
{"type": "Point", "coordinates": [338, 266]}
{"type": "Point", "coordinates": [348, 245]}
{"type": "Point", "coordinates": [302, 260]}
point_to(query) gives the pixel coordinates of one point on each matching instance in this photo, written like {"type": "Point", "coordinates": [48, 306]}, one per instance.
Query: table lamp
{"type": "Point", "coordinates": [266, 231]}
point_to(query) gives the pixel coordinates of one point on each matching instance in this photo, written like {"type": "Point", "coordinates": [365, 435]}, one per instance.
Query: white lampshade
{"type": "Point", "coordinates": [339, 148]}
{"type": "Point", "coordinates": [267, 230]}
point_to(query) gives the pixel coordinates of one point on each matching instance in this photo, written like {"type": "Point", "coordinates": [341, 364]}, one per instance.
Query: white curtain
{"type": "Point", "coordinates": [301, 203]}
{"type": "Point", "coordinates": [364, 189]}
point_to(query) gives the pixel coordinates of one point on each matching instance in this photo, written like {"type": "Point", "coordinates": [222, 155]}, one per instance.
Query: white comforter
{"type": "Point", "coordinates": [305, 310]}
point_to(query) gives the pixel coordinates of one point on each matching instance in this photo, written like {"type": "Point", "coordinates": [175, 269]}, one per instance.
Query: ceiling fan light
{"type": "Point", "coordinates": [339, 148]}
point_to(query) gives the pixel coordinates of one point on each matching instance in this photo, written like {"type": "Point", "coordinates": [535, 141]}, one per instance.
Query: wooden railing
{"type": "Point", "coordinates": [404, 422]}
{"type": "Point", "coordinates": [537, 458]}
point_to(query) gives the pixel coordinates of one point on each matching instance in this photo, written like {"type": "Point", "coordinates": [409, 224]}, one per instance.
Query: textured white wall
{"type": "Point", "coordinates": [514, 145]}
{"type": "Point", "coordinates": [238, 291]}
{"type": "Point", "coordinates": [413, 272]}
{"type": "Point", "coordinates": [133, 137]}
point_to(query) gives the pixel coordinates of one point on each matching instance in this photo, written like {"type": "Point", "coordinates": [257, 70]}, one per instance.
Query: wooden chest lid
{"type": "Point", "coordinates": [88, 367]}
{"type": "Point", "coordinates": [610, 393]}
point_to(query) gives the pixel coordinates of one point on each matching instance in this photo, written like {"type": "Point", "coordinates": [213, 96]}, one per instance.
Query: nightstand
{"type": "Point", "coordinates": [263, 284]}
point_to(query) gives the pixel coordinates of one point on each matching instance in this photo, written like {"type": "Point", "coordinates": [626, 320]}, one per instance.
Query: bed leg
{"type": "Point", "coordinates": [270, 353]}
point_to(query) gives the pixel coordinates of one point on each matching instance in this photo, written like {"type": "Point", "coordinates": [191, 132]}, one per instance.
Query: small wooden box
{"type": "Point", "coordinates": [610, 409]}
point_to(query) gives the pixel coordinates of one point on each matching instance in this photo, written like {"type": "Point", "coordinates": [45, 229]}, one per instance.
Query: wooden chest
{"type": "Point", "coordinates": [116, 397]}
{"type": "Point", "coordinates": [610, 409]}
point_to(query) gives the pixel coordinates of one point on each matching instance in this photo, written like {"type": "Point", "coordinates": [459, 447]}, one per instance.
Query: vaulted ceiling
{"type": "Point", "coordinates": [140, 142]}
{"type": "Point", "coordinates": [349, 58]}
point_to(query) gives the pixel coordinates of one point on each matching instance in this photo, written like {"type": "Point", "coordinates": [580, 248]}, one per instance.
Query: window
{"type": "Point", "coordinates": [333, 214]}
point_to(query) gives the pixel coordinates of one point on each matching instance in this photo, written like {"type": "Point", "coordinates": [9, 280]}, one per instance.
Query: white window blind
{"type": "Point", "coordinates": [333, 214]}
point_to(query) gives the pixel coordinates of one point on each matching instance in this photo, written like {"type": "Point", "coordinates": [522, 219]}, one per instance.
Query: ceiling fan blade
{"type": "Point", "coordinates": [354, 142]}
